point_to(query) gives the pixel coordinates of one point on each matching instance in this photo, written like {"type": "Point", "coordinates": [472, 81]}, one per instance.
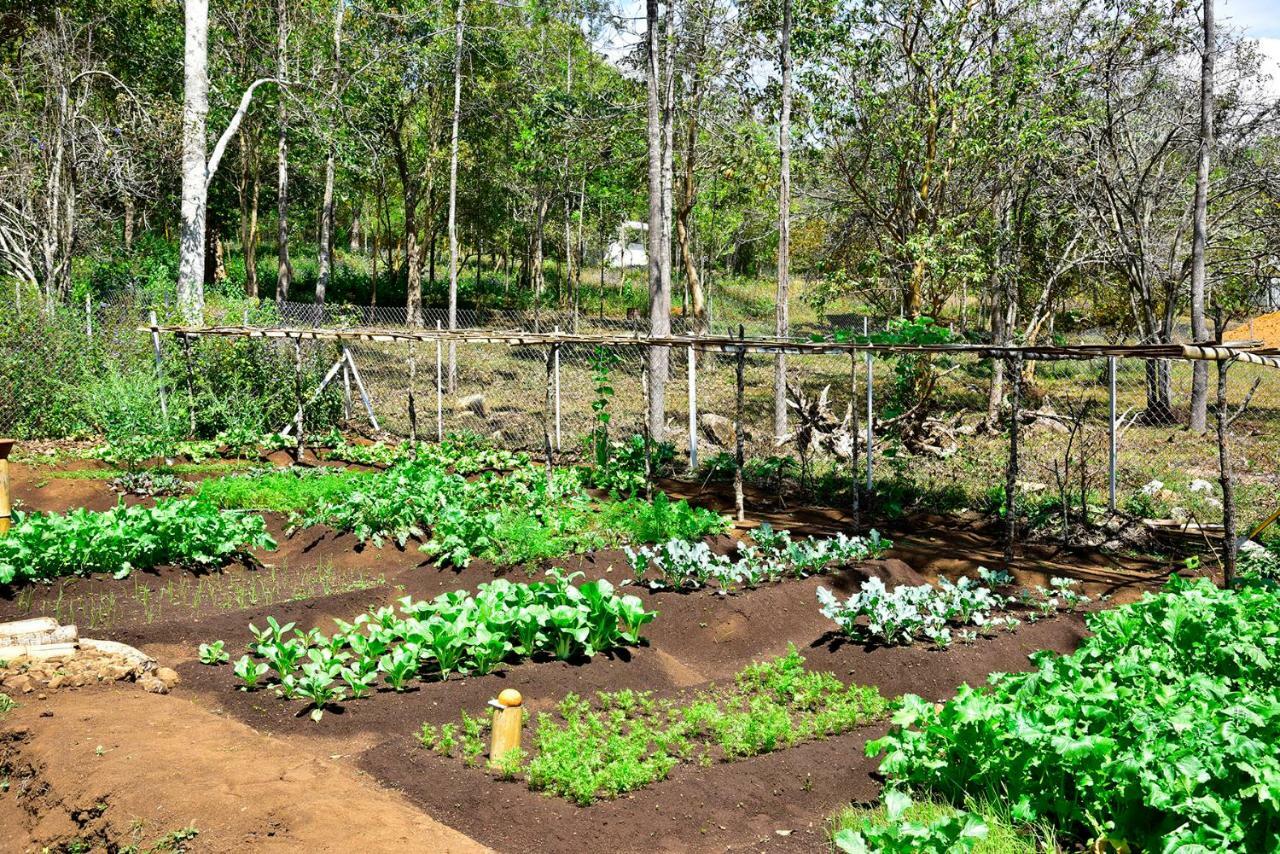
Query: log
{"type": "Point", "coordinates": [44, 637]}
{"type": "Point", "coordinates": [53, 650]}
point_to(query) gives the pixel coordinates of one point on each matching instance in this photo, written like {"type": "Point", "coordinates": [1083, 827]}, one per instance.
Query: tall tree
{"type": "Point", "coordinates": [284, 274]}
{"type": "Point", "coordinates": [659, 286]}
{"type": "Point", "coordinates": [782, 326]}
{"type": "Point", "coordinates": [325, 249]}
{"type": "Point", "coordinates": [1200, 222]}
{"type": "Point", "coordinates": [453, 190]}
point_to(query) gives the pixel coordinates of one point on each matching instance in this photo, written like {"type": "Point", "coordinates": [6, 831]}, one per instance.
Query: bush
{"type": "Point", "coordinates": [1159, 732]}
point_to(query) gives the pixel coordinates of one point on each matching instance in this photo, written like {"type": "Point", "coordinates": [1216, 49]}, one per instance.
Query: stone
{"type": "Point", "coordinates": [474, 403]}
{"type": "Point", "coordinates": [153, 684]}
{"type": "Point", "coordinates": [717, 429]}
{"type": "Point", "coordinates": [167, 675]}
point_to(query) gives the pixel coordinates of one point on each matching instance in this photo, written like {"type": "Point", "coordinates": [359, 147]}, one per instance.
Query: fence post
{"type": "Point", "coordinates": [155, 343]}
{"type": "Point", "coordinates": [871, 397]}
{"type": "Point", "coordinates": [739, 502]}
{"type": "Point", "coordinates": [439, 390]}
{"type": "Point", "coordinates": [413, 404]}
{"type": "Point", "coordinates": [191, 386]}
{"type": "Point", "coordinates": [693, 410]}
{"type": "Point", "coordinates": [88, 316]}
{"type": "Point", "coordinates": [346, 390]}
{"type": "Point", "coordinates": [555, 351]}
{"type": "Point", "coordinates": [546, 411]}
{"type": "Point", "coordinates": [1111, 433]}
{"type": "Point", "coordinates": [1011, 471]}
{"type": "Point", "coordinates": [855, 502]}
{"type": "Point", "coordinates": [297, 391]}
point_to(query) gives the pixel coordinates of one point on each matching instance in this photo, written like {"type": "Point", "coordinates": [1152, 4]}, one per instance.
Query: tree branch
{"type": "Point", "coordinates": [218, 150]}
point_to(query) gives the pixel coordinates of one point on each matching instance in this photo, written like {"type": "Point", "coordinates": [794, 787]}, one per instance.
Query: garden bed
{"type": "Point", "coordinates": [776, 801]}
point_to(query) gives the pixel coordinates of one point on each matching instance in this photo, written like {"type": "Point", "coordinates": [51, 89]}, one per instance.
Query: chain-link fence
{"type": "Point", "coordinates": [933, 442]}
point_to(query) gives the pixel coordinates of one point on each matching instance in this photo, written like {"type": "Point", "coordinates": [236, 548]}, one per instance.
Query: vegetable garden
{"type": "Point", "coordinates": [807, 677]}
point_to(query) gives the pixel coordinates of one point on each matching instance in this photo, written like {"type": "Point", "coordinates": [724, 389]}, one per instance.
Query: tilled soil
{"type": "Point", "coordinates": [775, 802]}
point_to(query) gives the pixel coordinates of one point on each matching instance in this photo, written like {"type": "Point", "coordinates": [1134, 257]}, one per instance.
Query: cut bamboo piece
{"type": "Point", "coordinates": [28, 626]}
{"type": "Point", "coordinates": [508, 717]}
{"type": "Point", "coordinates": [42, 637]}
{"type": "Point", "coordinates": [53, 650]}
{"type": "Point", "coordinates": [6, 445]}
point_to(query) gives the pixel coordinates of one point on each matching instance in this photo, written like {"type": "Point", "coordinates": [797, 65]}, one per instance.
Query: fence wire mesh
{"type": "Point", "coordinates": [953, 458]}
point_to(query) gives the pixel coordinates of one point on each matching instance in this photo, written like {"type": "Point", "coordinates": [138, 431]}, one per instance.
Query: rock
{"type": "Point", "coordinates": [153, 684]}
{"type": "Point", "coordinates": [167, 675]}
{"type": "Point", "coordinates": [473, 403]}
{"type": "Point", "coordinates": [717, 429]}
{"type": "Point", "coordinates": [20, 683]}
{"type": "Point", "coordinates": [1151, 487]}
{"type": "Point", "coordinates": [1200, 485]}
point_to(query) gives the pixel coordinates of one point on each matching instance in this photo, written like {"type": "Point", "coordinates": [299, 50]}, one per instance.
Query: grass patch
{"type": "Point", "coordinates": [282, 490]}
{"type": "Point", "coordinates": [625, 740]}
{"type": "Point", "coordinates": [6, 703]}
{"type": "Point", "coordinates": [922, 819]}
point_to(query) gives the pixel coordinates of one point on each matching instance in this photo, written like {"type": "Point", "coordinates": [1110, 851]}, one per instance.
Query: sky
{"type": "Point", "coordinates": [1259, 19]}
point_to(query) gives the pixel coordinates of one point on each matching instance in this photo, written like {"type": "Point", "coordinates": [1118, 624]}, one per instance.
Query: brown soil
{"type": "Point", "coordinates": [199, 741]}
{"type": "Point", "coordinates": [115, 767]}
{"type": "Point", "coordinates": [1264, 328]}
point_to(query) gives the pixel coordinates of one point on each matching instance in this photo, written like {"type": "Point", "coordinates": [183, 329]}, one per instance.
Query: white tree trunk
{"type": "Point", "coordinates": [659, 292]}
{"type": "Point", "coordinates": [284, 275]}
{"type": "Point", "coordinates": [1200, 226]}
{"type": "Point", "coordinates": [195, 109]}
{"type": "Point", "coordinates": [325, 261]}
{"type": "Point", "coordinates": [453, 192]}
{"type": "Point", "coordinates": [783, 320]}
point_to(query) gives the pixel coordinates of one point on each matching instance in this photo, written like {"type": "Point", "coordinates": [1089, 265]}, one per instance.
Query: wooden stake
{"type": "Point", "coordinates": [556, 357]}
{"type": "Point", "coordinates": [155, 344]}
{"type": "Point", "coordinates": [739, 501]}
{"type": "Point", "coordinates": [297, 392]}
{"type": "Point", "coordinates": [693, 410]}
{"type": "Point", "coordinates": [1011, 472]}
{"type": "Point", "coordinates": [6, 445]}
{"type": "Point", "coordinates": [413, 408]}
{"type": "Point", "coordinates": [439, 392]}
{"type": "Point", "coordinates": [191, 387]}
{"type": "Point", "coordinates": [546, 411]}
{"type": "Point", "coordinates": [648, 458]}
{"type": "Point", "coordinates": [855, 499]}
{"type": "Point", "coordinates": [1227, 479]}
{"type": "Point", "coordinates": [508, 718]}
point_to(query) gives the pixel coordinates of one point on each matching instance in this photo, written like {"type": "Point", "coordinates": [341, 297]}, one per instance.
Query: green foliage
{"type": "Point", "coordinates": [660, 520]}
{"type": "Point", "coordinates": [453, 633]}
{"type": "Point", "coordinates": [603, 361]}
{"type": "Point", "coordinates": [956, 832]}
{"type": "Point", "coordinates": [1158, 732]}
{"type": "Point", "coordinates": [623, 471]}
{"type": "Point", "coordinates": [281, 490]}
{"type": "Point", "coordinates": [629, 739]}
{"type": "Point", "coordinates": [42, 546]}
{"type": "Point", "coordinates": [213, 653]}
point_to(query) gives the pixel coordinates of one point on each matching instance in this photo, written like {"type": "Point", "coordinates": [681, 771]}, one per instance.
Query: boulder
{"type": "Point", "coordinates": [473, 403]}
{"type": "Point", "coordinates": [717, 429]}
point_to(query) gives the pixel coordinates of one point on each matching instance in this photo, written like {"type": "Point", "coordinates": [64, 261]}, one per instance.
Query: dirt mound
{"type": "Point", "coordinates": [104, 769]}
{"type": "Point", "coordinates": [1265, 328]}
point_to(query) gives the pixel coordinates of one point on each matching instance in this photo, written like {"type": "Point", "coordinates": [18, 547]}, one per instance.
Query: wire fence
{"type": "Point", "coordinates": [953, 457]}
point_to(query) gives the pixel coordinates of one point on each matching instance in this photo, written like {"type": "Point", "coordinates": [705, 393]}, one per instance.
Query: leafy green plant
{"type": "Point", "coordinates": [249, 672]}
{"type": "Point", "coordinates": [957, 832]}
{"type": "Point", "coordinates": [213, 653]}
{"type": "Point", "coordinates": [629, 739]}
{"type": "Point", "coordinates": [1156, 733]}
{"type": "Point", "coordinates": [41, 546]}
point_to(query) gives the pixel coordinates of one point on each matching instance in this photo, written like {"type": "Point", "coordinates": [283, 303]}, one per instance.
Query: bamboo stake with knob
{"type": "Point", "coordinates": [6, 445]}
{"type": "Point", "coordinates": [508, 718]}
{"type": "Point", "coordinates": [693, 410]}
{"type": "Point", "coordinates": [739, 501]}
{"type": "Point", "coordinates": [546, 410]}
{"type": "Point", "coordinates": [155, 344]}
{"type": "Point", "coordinates": [297, 392]}
{"type": "Point", "coordinates": [439, 392]}
{"type": "Point", "coordinates": [413, 404]}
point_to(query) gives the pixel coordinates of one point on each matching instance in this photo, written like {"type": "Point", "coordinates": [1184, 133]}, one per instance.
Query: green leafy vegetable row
{"type": "Point", "coordinates": [1160, 732]}
{"type": "Point", "coordinates": [43, 546]}
{"type": "Point", "coordinates": [629, 739]}
{"type": "Point", "coordinates": [453, 633]}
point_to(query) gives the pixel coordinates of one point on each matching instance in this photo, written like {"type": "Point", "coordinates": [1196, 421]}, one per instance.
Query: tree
{"type": "Point", "coordinates": [782, 327]}
{"type": "Point", "coordinates": [659, 284]}
{"type": "Point", "coordinates": [1200, 223]}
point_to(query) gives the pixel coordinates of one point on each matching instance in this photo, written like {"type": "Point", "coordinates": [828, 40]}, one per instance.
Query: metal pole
{"type": "Point", "coordinates": [88, 316]}
{"type": "Point", "coordinates": [1111, 433]}
{"type": "Point", "coordinates": [871, 395]}
{"type": "Point", "coordinates": [555, 352]}
{"type": "Point", "coordinates": [155, 343]}
{"type": "Point", "coordinates": [693, 410]}
{"type": "Point", "coordinates": [439, 391]}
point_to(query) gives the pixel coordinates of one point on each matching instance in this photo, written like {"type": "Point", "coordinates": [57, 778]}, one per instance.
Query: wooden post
{"type": "Point", "coordinates": [693, 410]}
{"type": "Point", "coordinates": [155, 344]}
{"type": "Point", "coordinates": [739, 502]}
{"type": "Point", "coordinates": [644, 393]}
{"type": "Point", "coordinates": [191, 387]}
{"type": "Point", "coordinates": [855, 502]}
{"type": "Point", "coordinates": [6, 511]}
{"type": "Point", "coordinates": [1111, 433]}
{"type": "Point", "coordinates": [439, 390]}
{"type": "Point", "coordinates": [546, 413]}
{"type": "Point", "coordinates": [871, 412]}
{"type": "Point", "coordinates": [1011, 472]}
{"type": "Point", "coordinates": [297, 392]}
{"type": "Point", "coordinates": [413, 406]}
{"type": "Point", "coordinates": [556, 351]}
{"type": "Point", "coordinates": [346, 390]}
{"type": "Point", "coordinates": [1226, 478]}
{"type": "Point", "coordinates": [508, 718]}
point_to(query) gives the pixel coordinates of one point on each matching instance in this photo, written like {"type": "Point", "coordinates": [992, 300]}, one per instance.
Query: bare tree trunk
{"type": "Point", "coordinates": [195, 110]}
{"type": "Point", "coordinates": [453, 193]}
{"type": "Point", "coordinates": [659, 285]}
{"type": "Point", "coordinates": [128, 220]}
{"type": "Point", "coordinates": [1200, 234]}
{"type": "Point", "coordinates": [284, 275]}
{"type": "Point", "coordinates": [783, 321]}
{"type": "Point", "coordinates": [325, 261]}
